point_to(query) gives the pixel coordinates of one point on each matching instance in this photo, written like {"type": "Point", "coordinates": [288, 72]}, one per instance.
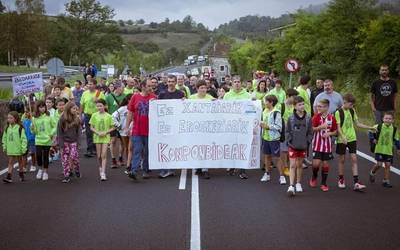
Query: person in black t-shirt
{"type": "Point", "coordinates": [170, 93]}
{"type": "Point", "coordinates": [319, 88]}
{"type": "Point", "coordinates": [383, 94]}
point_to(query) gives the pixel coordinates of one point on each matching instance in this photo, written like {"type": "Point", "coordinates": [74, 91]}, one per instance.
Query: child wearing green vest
{"type": "Point", "coordinates": [14, 144]}
{"type": "Point", "coordinates": [385, 138]}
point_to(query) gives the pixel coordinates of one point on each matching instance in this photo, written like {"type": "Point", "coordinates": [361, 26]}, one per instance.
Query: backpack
{"type": "Point", "coordinates": [282, 131]}
{"type": "Point", "coordinates": [375, 136]}
{"type": "Point", "coordinates": [341, 115]}
{"type": "Point", "coordinates": [17, 105]}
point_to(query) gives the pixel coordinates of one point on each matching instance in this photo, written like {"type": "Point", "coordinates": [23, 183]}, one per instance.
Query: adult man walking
{"type": "Point", "coordinates": [383, 94]}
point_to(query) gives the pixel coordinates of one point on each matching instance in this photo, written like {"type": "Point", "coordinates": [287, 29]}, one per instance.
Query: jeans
{"type": "Point", "coordinates": [140, 144]}
{"type": "Point", "coordinates": [89, 134]}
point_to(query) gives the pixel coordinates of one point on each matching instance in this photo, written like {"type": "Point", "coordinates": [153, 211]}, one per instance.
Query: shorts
{"type": "Point", "coordinates": [322, 156]}
{"type": "Point", "coordinates": [294, 153]}
{"type": "Point", "coordinates": [341, 148]}
{"type": "Point", "coordinates": [115, 133]}
{"type": "Point", "coordinates": [284, 146]}
{"type": "Point", "coordinates": [384, 158]}
{"type": "Point", "coordinates": [272, 148]}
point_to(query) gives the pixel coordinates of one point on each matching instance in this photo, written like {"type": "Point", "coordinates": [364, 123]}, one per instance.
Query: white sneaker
{"type": "Point", "coordinates": [282, 180]}
{"type": "Point", "coordinates": [341, 184]}
{"type": "Point", "coordinates": [45, 176]}
{"type": "Point", "coordinates": [359, 187]}
{"type": "Point", "coordinates": [103, 177]}
{"type": "Point", "coordinates": [32, 169]}
{"type": "Point", "coordinates": [291, 191]}
{"type": "Point", "coordinates": [266, 177]}
{"type": "Point", "coordinates": [299, 188]}
{"type": "Point", "coordinates": [39, 174]}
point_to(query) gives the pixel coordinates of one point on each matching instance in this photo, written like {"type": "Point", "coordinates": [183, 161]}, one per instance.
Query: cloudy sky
{"type": "Point", "coordinates": [210, 12]}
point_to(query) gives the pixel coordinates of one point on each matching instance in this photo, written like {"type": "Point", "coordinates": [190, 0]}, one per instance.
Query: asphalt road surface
{"type": "Point", "coordinates": [221, 213]}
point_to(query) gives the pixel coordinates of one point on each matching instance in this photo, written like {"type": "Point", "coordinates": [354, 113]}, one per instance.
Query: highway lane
{"type": "Point", "coordinates": [234, 213]}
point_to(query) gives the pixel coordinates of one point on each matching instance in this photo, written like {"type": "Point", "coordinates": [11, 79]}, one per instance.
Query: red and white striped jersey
{"type": "Point", "coordinates": [321, 144]}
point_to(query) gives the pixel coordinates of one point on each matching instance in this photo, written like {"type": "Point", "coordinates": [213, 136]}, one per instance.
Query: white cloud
{"type": "Point", "coordinates": [212, 13]}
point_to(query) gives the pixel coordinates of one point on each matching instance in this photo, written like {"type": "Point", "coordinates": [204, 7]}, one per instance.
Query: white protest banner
{"type": "Point", "coordinates": [27, 84]}
{"type": "Point", "coordinates": [204, 134]}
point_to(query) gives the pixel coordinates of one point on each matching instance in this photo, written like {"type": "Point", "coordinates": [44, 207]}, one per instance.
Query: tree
{"type": "Point", "coordinates": [24, 31]}
{"type": "Point", "coordinates": [188, 22]}
{"type": "Point", "coordinates": [129, 22]}
{"type": "Point", "coordinates": [89, 28]}
{"type": "Point", "coordinates": [121, 23]}
{"type": "Point", "coordinates": [140, 21]}
{"type": "Point", "coordinates": [2, 7]}
{"type": "Point", "coordinates": [153, 25]}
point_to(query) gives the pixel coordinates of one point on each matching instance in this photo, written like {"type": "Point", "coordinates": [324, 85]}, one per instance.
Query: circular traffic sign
{"type": "Point", "coordinates": [292, 66]}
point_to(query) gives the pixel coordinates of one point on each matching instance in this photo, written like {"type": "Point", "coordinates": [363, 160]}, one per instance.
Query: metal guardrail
{"type": "Point", "coordinates": [46, 76]}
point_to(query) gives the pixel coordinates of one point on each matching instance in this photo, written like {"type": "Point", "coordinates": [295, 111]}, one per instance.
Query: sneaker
{"type": "Point", "coordinates": [21, 177]}
{"type": "Point", "coordinates": [7, 179]}
{"type": "Point", "coordinates": [266, 177]}
{"type": "Point", "coordinates": [78, 174]}
{"type": "Point", "coordinates": [371, 177]}
{"type": "Point", "coordinates": [359, 187]}
{"type": "Point", "coordinates": [66, 180]}
{"type": "Point", "coordinates": [291, 191]}
{"type": "Point", "coordinates": [39, 174]}
{"type": "Point", "coordinates": [88, 154]}
{"type": "Point", "coordinates": [282, 180]}
{"type": "Point", "coordinates": [132, 175]}
{"type": "Point", "coordinates": [313, 182]}
{"type": "Point", "coordinates": [341, 184]}
{"type": "Point", "coordinates": [126, 171]}
{"type": "Point", "coordinates": [299, 188]}
{"type": "Point", "coordinates": [103, 177]}
{"type": "Point", "coordinates": [166, 174]}
{"type": "Point", "coordinates": [324, 188]}
{"type": "Point", "coordinates": [387, 185]}
{"type": "Point", "coordinates": [114, 163]}
{"type": "Point", "coordinates": [206, 175]}
{"type": "Point", "coordinates": [243, 176]}
{"type": "Point", "coordinates": [145, 175]}
{"type": "Point", "coordinates": [286, 171]}
{"type": "Point", "coordinates": [45, 176]}
{"type": "Point", "coordinates": [230, 171]}
{"type": "Point", "coordinates": [32, 169]}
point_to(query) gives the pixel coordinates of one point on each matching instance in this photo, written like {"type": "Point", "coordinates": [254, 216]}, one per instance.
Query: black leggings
{"type": "Point", "coordinates": [42, 156]}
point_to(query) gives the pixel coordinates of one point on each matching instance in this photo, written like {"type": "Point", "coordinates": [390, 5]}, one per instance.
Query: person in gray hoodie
{"type": "Point", "coordinates": [299, 135]}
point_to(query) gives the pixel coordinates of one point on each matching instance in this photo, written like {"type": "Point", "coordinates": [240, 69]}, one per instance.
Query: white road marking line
{"type": "Point", "coordinates": [15, 166]}
{"type": "Point", "coordinates": [182, 181]}
{"type": "Point", "coordinates": [195, 217]}
{"type": "Point", "coordinates": [371, 159]}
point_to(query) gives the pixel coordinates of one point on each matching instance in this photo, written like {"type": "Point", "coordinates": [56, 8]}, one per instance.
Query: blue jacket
{"type": "Point", "coordinates": [29, 135]}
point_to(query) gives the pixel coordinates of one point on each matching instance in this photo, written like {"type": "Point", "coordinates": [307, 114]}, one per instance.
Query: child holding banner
{"type": "Point", "coordinates": [27, 123]}
{"type": "Point", "coordinates": [44, 128]}
{"type": "Point", "coordinates": [102, 125]}
{"type": "Point", "coordinates": [14, 144]}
